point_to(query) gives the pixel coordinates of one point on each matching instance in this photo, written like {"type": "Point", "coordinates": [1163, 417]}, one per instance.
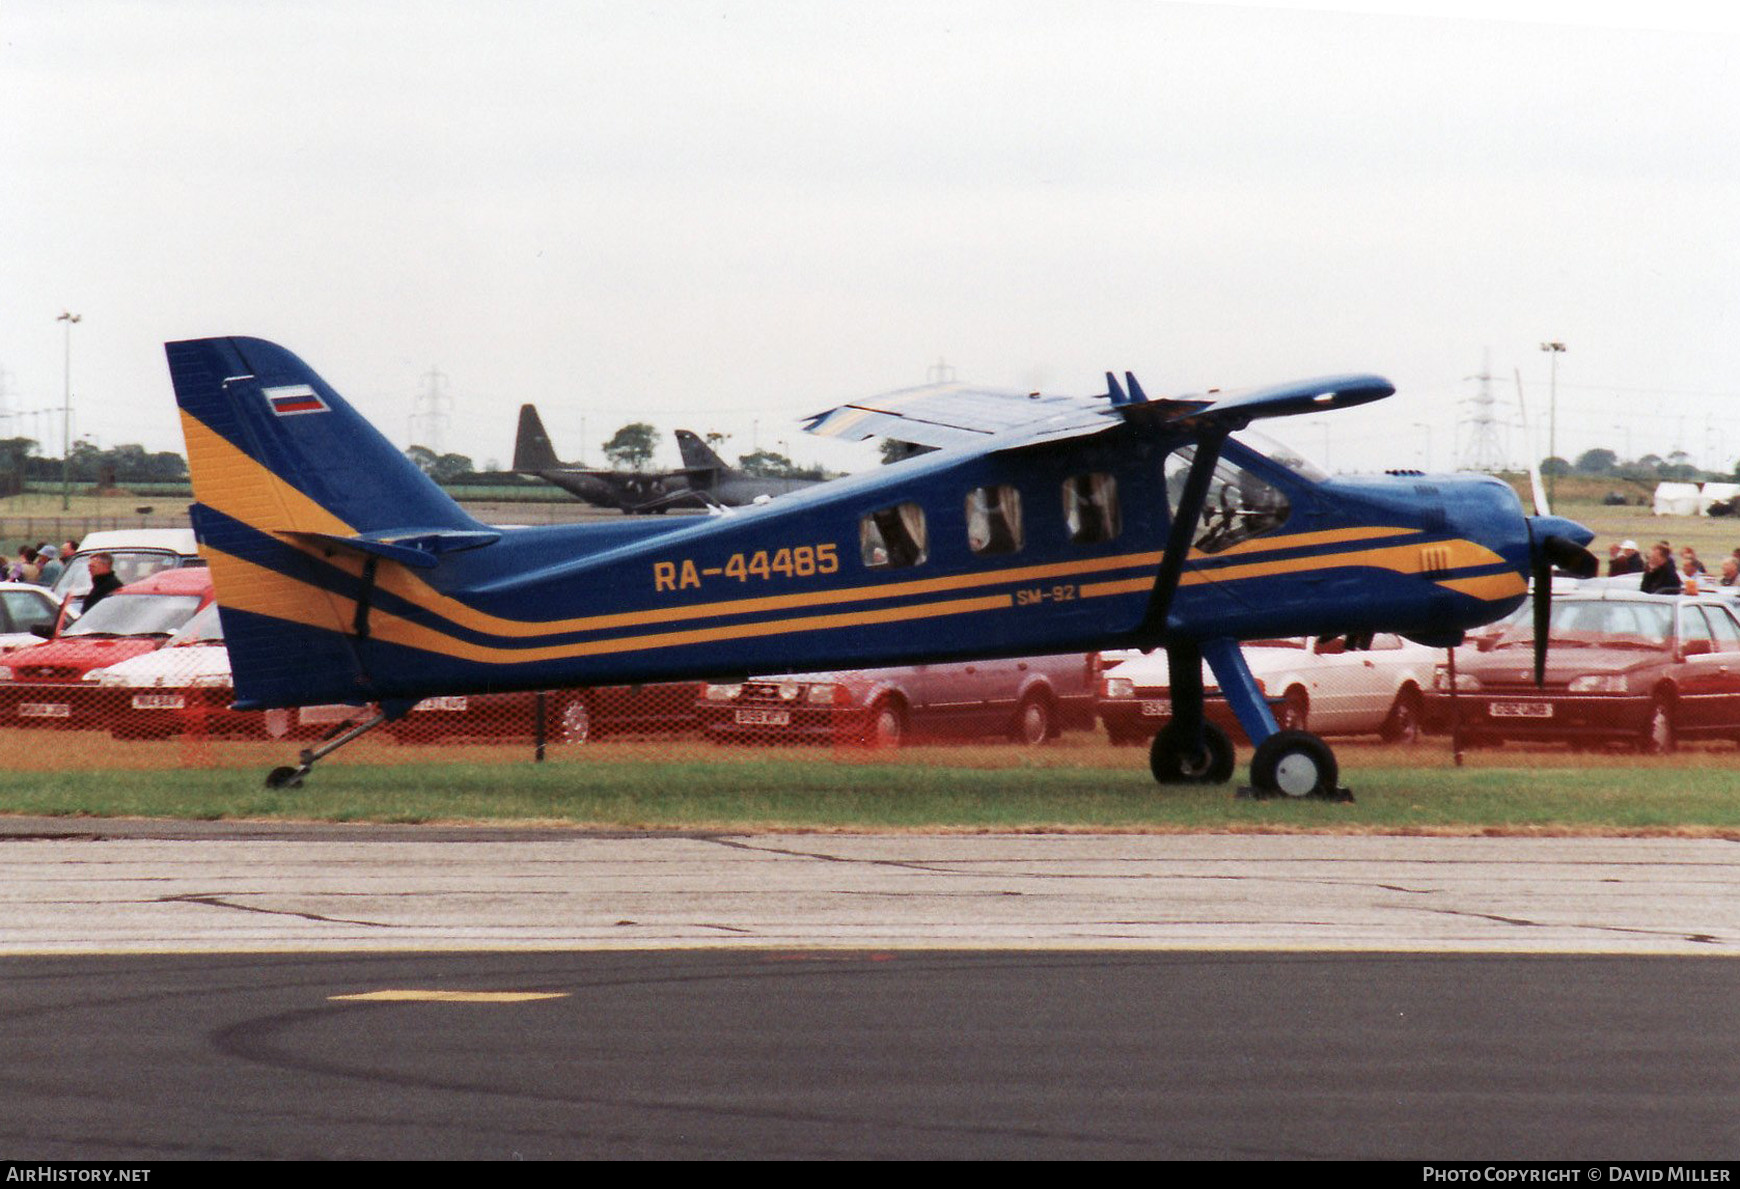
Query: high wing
{"type": "Point", "coordinates": [957, 415]}
{"type": "Point", "coordinates": [954, 415]}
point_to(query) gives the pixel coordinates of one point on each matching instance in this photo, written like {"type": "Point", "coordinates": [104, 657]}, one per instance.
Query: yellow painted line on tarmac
{"type": "Point", "coordinates": [412, 996]}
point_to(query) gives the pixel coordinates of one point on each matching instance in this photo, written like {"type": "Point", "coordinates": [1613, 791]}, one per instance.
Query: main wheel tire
{"type": "Point", "coordinates": [1660, 737]}
{"type": "Point", "coordinates": [1033, 721]}
{"type": "Point", "coordinates": [1403, 723]}
{"type": "Point", "coordinates": [1295, 707]}
{"type": "Point", "coordinates": [1294, 764]}
{"type": "Point", "coordinates": [575, 722]}
{"type": "Point", "coordinates": [1171, 758]}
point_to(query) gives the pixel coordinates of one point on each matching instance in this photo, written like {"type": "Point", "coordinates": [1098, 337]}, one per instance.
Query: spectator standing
{"type": "Point", "coordinates": [51, 565]}
{"type": "Point", "coordinates": [1661, 577]}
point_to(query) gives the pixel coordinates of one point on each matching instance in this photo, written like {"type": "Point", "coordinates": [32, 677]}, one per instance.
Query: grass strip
{"type": "Point", "coordinates": [822, 793]}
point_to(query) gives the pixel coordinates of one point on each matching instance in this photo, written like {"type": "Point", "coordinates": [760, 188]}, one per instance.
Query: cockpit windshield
{"type": "Point", "coordinates": [1281, 454]}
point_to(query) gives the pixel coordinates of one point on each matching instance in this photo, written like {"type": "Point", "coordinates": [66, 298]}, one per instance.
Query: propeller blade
{"type": "Point", "coordinates": [1547, 550]}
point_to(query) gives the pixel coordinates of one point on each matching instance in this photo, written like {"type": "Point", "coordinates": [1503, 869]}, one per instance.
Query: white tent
{"type": "Point", "coordinates": [1678, 499]}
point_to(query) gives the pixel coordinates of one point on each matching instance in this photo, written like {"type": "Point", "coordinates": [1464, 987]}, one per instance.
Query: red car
{"type": "Point", "coordinates": [44, 685]}
{"type": "Point", "coordinates": [1623, 667]}
{"type": "Point", "coordinates": [1026, 699]}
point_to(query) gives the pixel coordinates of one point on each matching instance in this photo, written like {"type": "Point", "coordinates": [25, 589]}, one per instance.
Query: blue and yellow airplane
{"type": "Point", "coordinates": [1038, 524]}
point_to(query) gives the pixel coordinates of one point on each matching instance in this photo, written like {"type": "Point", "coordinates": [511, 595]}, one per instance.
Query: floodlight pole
{"type": "Point", "coordinates": [1553, 350]}
{"type": "Point", "coordinates": [66, 415]}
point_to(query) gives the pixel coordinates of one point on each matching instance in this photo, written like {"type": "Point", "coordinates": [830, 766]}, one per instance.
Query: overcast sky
{"type": "Point", "coordinates": [723, 215]}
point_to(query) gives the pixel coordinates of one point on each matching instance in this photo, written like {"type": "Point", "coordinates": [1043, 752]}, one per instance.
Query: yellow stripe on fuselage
{"type": "Point", "coordinates": [1403, 559]}
{"type": "Point", "coordinates": [267, 592]}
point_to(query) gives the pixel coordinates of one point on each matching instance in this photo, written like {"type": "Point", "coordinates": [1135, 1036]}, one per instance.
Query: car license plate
{"type": "Point", "coordinates": [1156, 707]}
{"type": "Point", "coordinates": [159, 702]}
{"type": "Point", "coordinates": [448, 703]}
{"type": "Point", "coordinates": [1522, 710]}
{"type": "Point", "coordinates": [764, 718]}
{"type": "Point", "coordinates": [44, 710]}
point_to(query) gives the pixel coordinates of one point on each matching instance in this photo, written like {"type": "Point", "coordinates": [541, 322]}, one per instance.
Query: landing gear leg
{"type": "Point", "coordinates": [291, 778]}
{"type": "Point", "coordinates": [1286, 763]}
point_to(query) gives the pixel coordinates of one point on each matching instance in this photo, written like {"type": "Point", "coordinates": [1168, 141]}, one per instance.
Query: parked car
{"type": "Point", "coordinates": [24, 607]}
{"type": "Point", "coordinates": [137, 553]}
{"type": "Point", "coordinates": [570, 715]}
{"type": "Point", "coordinates": [1331, 685]}
{"type": "Point", "coordinates": [1622, 667]}
{"type": "Point", "coordinates": [185, 688]}
{"type": "Point", "coordinates": [43, 685]}
{"type": "Point", "coordinates": [1028, 699]}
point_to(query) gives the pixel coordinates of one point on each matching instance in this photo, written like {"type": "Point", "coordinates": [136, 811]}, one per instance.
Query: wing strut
{"type": "Point", "coordinates": [1184, 521]}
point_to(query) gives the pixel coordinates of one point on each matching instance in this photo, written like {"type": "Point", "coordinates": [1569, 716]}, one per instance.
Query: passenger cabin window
{"type": "Point", "coordinates": [1240, 504]}
{"type": "Point", "coordinates": [894, 537]}
{"type": "Point", "coordinates": [1090, 508]}
{"type": "Point", "coordinates": [994, 519]}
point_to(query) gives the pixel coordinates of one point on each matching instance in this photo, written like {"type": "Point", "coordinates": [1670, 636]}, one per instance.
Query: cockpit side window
{"type": "Point", "coordinates": [1240, 504]}
{"type": "Point", "coordinates": [894, 537]}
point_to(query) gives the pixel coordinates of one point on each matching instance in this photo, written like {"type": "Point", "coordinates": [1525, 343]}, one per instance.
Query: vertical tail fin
{"type": "Point", "coordinates": [532, 449]}
{"type": "Point", "coordinates": [260, 420]}
{"type": "Point", "coordinates": [697, 455]}
{"type": "Point", "coordinates": [289, 481]}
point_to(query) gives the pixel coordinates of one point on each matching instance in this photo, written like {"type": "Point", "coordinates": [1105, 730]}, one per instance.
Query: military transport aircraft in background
{"type": "Point", "coordinates": [705, 479]}
{"type": "Point", "coordinates": [726, 485]}
{"type": "Point", "coordinates": [1041, 524]}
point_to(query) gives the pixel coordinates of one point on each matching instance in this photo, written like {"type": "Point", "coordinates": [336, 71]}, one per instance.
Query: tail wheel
{"type": "Point", "coordinates": [1660, 737]}
{"type": "Point", "coordinates": [1174, 760]}
{"type": "Point", "coordinates": [1033, 721]}
{"type": "Point", "coordinates": [575, 725]}
{"type": "Point", "coordinates": [1403, 723]}
{"type": "Point", "coordinates": [1294, 764]}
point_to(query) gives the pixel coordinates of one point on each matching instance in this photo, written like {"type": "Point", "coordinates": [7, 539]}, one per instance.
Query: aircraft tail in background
{"type": "Point", "coordinates": [697, 455]}
{"type": "Point", "coordinates": [532, 449]}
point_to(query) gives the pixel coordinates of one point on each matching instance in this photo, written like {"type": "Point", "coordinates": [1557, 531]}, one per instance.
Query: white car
{"type": "Point", "coordinates": [185, 688]}
{"type": "Point", "coordinates": [24, 605]}
{"type": "Point", "coordinates": [1323, 685]}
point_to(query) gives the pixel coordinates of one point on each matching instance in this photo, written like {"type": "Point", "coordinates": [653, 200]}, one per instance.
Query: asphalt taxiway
{"type": "Point", "coordinates": [229, 990]}
{"type": "Point", "coordinates": [85, 887]}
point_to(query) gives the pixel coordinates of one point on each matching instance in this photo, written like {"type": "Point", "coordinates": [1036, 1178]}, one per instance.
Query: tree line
{"type": "Point", "coordinates": [21, 462]}
{"type": "Point", "coordinates": [1602, 463]}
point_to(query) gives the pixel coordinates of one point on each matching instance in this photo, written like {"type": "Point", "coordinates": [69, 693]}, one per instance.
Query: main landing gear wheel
{"type": "Point", "coordinates": [1296, 764]}
{"type": "Point", "coordinates": [1174, 761]}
